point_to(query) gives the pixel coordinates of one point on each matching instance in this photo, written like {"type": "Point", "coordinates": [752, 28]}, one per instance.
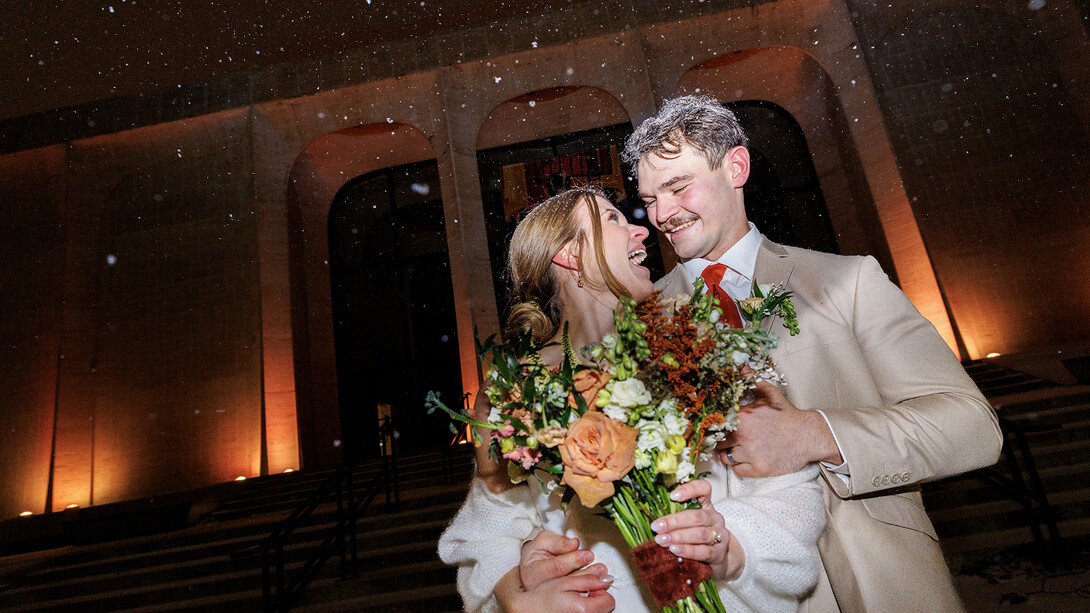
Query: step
{"type": "Point", "coordinates": [966, 490]}
{"type": "Point", "coordinates": [284, 499]}
{"type": "Point", "coordinates": [116, 589]}
{"type": "Point", "coordinates": [1007, 537]}
{"type": "Point", "coordinates": [442, 597]}
{"type": "Point", "coordinates": [1001, 515]}
{"type": "Point", "coordinates": [122, 574]}
{"type": "Point", "coordinates": [382, 580]}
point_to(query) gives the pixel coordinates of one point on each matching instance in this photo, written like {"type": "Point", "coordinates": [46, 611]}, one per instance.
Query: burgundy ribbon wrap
{"type": "Point", "coordinates": [669, 577]}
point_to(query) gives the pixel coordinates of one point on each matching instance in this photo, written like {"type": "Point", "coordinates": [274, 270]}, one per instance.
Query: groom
{"type": "Point", "coordinates": [873, 394]}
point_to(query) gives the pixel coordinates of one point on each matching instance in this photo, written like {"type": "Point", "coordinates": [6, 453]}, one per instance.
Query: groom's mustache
{"type": "Point", "coordinates": [677, 221]}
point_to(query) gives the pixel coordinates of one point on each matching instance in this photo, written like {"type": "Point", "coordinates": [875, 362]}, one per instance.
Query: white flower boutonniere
{"type": "Point", "coordinates": [769, 300]}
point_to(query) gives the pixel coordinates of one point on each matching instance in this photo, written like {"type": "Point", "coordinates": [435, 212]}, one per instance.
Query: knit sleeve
{"type": "Point", "coordinates": [777, 521]}
{"type": "Point", "coordinates": [484, 541]}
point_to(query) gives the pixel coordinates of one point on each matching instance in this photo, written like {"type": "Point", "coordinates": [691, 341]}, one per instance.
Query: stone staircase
{"type": "Point", "coordinates": [972, 516]}
{"type": "Point", "coordinates": [193, 569]}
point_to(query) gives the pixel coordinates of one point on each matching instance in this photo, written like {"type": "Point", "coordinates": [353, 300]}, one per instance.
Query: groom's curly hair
{"type": "Point", "coordinates": [699, 121]}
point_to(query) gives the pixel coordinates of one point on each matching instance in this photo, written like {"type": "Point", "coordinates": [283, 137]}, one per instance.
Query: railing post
{"type": "Point", "coordinates": [342, 522]}
{"type": "Point", "coordinates": [352, 522]}
{"type": "Point", "coordinates": [266, 583]}
{"type": "Point", "coordinates": [281, 605]}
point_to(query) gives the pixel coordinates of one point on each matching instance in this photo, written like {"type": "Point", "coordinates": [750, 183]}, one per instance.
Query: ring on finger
{"type": "Point", "coordinates": [716, 539]}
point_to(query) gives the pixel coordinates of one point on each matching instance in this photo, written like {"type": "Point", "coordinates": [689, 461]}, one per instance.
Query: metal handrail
{"type": "Point", "coordinates": [1023, 485]}
{"type": "Point", "coordinates": [278, 592]}
{"type": "Point", "coordinates": [463, 435]}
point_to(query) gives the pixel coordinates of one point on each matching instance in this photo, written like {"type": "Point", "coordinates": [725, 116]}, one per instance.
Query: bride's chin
{"type": "Point", "coordinates": [643, 292]}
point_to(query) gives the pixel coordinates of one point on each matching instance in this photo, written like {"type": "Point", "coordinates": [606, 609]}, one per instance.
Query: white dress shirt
{"type": "Point", "coordinates": [740, 260]}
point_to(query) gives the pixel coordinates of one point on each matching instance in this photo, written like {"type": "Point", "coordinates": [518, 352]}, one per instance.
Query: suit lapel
{"type": "Point", "coordinates": [675, 282]}
{"type": "Point", "coordinates": [773, 267]}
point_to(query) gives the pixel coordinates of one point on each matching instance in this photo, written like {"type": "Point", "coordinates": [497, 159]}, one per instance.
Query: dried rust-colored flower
{"type": "Point", "coordinates": [678, 337]}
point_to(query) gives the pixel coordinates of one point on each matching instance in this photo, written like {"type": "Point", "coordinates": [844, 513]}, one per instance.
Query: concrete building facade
{"type": "Point", "coordinates": [167, 312]}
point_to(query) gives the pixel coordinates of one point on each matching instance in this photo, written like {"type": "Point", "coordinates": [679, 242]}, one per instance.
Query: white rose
{"type": "Point", "coordinates": [675, 424]}
{"type": "Point", "coordinates": [630, 392]}
{"type": "Point", "coordinates": [685, 468]}
{"type": "Point", "coordinates": [652, 436]}
{"type": "Point", "coordinates": [616, 412]}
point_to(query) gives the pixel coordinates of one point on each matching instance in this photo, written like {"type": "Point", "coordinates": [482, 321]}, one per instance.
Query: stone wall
{"type": "Point", "coordinates": [166, 315]}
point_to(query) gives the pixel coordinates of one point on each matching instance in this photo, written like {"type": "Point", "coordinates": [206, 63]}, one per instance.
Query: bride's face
{"type": "Point", "coordinates": [622, 244]}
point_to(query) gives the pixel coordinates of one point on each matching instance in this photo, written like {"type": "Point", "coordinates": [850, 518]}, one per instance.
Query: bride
{"type": "Point", "coordinates": [515, 547]}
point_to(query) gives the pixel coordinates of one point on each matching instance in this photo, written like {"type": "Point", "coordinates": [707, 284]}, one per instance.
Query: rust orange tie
{"type": "Point", "coordinates": [712, 276]}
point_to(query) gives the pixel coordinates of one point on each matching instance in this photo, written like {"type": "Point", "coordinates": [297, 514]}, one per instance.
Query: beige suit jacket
{"type": "Point", "coordinates": [902, 409]}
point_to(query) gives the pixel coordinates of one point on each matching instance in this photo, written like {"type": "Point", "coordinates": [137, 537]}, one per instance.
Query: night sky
{"type": "Point", "coordinates": [57, 54]}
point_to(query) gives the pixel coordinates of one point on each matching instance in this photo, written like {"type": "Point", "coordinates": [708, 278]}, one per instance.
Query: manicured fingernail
{"type": "Point", "coordinates": [674, 549]}
{"type": "Point", "coordinates": [675, 495]}
{"type": "Point", "coordinates": [662, 539]}
{"type": "Point", "coordinates": [586, 556]}
{"type": "Point", "coordinates": [607, 578]}
{"type": "Point", "coordinates": [658, 525]}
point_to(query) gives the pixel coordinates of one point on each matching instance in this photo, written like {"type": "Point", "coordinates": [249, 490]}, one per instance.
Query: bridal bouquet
{"type": "Point", "coordinates": [663, 389]}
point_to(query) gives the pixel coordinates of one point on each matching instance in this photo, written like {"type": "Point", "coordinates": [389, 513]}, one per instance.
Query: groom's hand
{"type": "Point", "coordinates": [774, 437]}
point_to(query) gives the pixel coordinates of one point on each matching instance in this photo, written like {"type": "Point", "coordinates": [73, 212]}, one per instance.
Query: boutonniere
{"type": "Point", "coordinates": [767, 301]}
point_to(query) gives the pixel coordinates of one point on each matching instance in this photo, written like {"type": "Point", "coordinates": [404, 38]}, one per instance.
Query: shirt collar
{"type": "Point", "coordinates": [741, 257]}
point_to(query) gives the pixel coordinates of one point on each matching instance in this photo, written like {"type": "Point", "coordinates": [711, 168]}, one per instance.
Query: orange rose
{"type": "Point", "coordinates": [587, 383]}
{"type": "Point", "coordinates": [597, 452]}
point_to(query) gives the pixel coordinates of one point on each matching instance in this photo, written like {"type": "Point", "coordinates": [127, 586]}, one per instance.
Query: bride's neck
{"type": "Point", "coordinates": [589, 316]}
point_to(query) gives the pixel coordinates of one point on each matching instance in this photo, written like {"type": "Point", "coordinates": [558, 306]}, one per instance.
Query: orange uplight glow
{"type": "Point", "coordinates": [72, 506]}
{"type": "Point", "coordinates": [993, 355]}
{"type": "Point", "coordinates": [26, 513]}
{"type": "Point", "coordinates": [240, 478]}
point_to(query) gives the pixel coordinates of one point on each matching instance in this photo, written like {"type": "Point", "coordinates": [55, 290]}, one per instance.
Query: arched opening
{"type": "Point", "coordinates": [783, 195]}
{"type": "Point", "coordinates": [393, 307]}
{"type": "Point", "coordinates": [865, 209]}
{"type": "Point", "coordinates": [538, 144]}
{"type": "Point", "coordinates": [326, 170]}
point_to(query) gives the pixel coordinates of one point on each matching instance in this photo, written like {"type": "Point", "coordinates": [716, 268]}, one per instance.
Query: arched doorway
{"type": "Point", "coordinates": [394, 326]}
{"type": "Point", "coordinates": [783, 194]}
{"type": "Point", "coordinates": [535, 145]}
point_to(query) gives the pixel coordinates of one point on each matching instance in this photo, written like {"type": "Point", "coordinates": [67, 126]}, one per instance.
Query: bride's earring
{"type": "Point", "coordinates": [579, 278]}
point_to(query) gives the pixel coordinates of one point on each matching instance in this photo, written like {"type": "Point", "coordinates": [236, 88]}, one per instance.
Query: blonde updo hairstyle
{"type": "Point", "coordinates": [545, 230]}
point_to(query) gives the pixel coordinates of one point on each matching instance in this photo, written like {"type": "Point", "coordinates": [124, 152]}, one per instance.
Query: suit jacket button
{"type": "Point", "coordinates": [885, 479]}
{"type": "Point", "coordinates": [896, 479]}
{"type": "Point", "coordinates": [905, 477]}
{"type": "Point", "coordinates": [877, 481]}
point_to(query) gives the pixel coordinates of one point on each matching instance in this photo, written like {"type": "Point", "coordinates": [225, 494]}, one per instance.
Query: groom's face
{"type": "Point", "coordinates": [699, 209]}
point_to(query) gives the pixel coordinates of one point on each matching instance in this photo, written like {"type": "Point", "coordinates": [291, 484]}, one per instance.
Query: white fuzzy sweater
{"type": "Point", "coordinates": [777, 521]}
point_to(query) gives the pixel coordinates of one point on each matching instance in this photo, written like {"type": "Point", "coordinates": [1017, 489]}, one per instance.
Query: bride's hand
{"type": "Point", "coordinates": [700, 534]}
{"type": "Point", "coordinates": [579, 592]}
{"type": "Point", "coordinates": [553, 577]}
